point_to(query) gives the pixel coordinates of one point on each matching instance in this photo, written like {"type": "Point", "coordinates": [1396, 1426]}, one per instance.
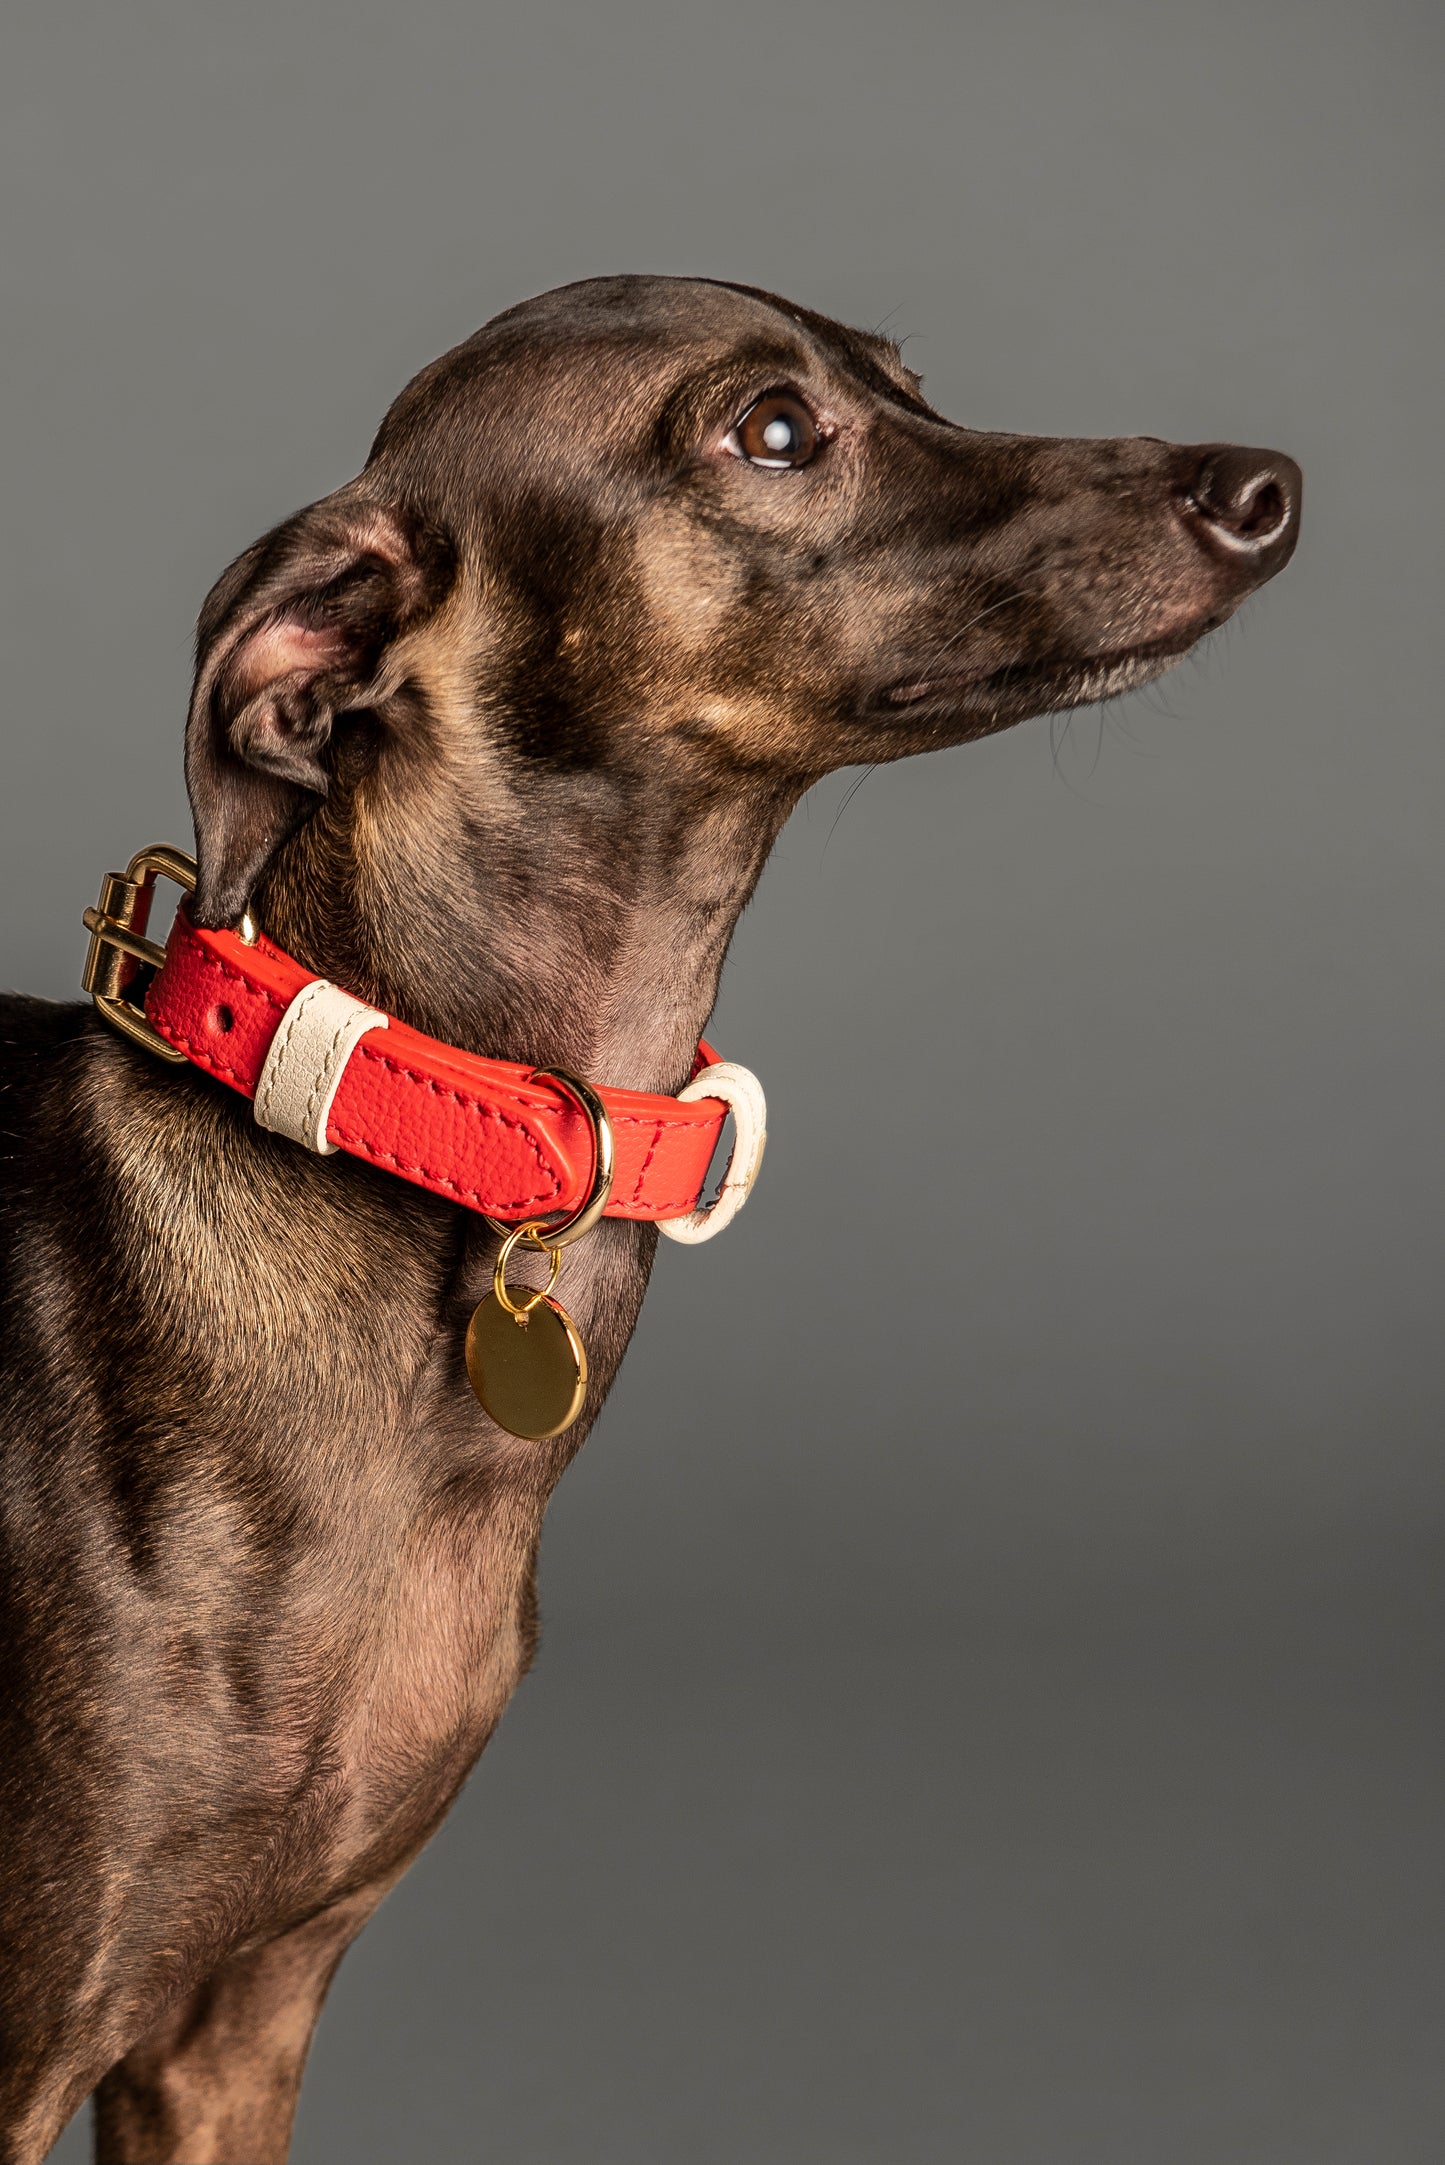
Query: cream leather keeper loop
{"type": "Point", "coordinates": [317, 1036]}
{"type": "Point", "coordinates": [741, 1091]}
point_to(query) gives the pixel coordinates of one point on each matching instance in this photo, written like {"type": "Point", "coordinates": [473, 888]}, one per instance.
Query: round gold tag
{"type": "Point", "coordinates": [532, 1375]}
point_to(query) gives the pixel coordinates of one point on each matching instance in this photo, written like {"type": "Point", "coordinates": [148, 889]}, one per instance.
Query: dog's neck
{"type": "Point", "coordinates": [577, 919]}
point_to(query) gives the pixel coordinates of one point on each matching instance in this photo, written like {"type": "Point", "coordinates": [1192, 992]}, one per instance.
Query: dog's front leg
{"type": "Point", "coordinates": [215, 2081]}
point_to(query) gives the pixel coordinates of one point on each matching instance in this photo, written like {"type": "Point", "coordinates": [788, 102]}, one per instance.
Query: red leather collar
{"type": "Point", "coordinates": [479, 1132]}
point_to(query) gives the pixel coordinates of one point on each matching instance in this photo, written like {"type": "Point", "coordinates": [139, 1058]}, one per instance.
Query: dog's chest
{"type": "Point", "coordinates": [442, 1639]}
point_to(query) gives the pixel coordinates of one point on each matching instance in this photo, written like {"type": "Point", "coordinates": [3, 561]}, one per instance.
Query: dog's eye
{"type": "Point", "coordinates": [778, 431]}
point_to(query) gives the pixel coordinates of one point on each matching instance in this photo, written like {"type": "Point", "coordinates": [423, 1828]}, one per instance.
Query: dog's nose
{"type": "Point", "coordinates": [1247, 503]}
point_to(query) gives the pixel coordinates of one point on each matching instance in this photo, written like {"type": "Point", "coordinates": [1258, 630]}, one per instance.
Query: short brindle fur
{"type": "Point", "coordinates": [498, 736]}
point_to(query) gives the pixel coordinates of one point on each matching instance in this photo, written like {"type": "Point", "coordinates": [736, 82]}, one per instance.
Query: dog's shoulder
{"type": "Point", "coordinates": [44, 1046]}
{"type": "Point", "coordinates": [34, 1033]}
{"type": "Point", "coordinates": [62, 1072]}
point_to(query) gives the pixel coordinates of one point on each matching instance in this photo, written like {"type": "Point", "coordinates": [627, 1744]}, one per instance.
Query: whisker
{"type": "Point", "coordinates": [1098, 745]}
{"type": "Point", "coordinates": [851, 793]}
{"type": "Point", "coordinates": [1004, 601]}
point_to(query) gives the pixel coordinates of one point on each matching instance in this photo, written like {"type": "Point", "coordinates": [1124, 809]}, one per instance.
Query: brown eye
{"type": "Point", "coordinates": [778, 431]}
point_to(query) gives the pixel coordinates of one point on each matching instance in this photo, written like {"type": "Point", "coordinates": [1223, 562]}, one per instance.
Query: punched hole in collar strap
{"type": "Point", "coordinates": [316, 1037]}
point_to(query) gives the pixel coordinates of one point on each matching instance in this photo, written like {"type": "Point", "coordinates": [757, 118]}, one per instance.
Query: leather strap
{"type": "Point", "coordinates": [479, 1132]}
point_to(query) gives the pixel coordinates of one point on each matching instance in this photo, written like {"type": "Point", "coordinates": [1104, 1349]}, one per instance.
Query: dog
{"type": "Point", "coordinates": [497, 737]}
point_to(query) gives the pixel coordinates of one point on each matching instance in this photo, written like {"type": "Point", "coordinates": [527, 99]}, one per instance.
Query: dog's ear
{"type": "Point", "coordinates": [295, 633]}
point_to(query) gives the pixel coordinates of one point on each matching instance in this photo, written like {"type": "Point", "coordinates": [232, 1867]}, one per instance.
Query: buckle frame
{"type": "Point", "coordinates": [117, 925]}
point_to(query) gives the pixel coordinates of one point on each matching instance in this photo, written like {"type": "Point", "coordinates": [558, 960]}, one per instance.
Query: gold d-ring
{"type": "Point", "coordinates": [543, 1237]}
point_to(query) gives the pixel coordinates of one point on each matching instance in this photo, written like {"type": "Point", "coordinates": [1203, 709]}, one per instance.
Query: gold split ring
{"type": "Point", "coordinates": [528, 1232]}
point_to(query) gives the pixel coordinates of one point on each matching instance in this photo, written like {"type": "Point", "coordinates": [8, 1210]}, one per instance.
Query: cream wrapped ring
{"type": "Point", "coordinates": [743, 1094]}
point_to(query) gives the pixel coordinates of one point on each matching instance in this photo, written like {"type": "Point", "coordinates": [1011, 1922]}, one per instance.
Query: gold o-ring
{"type": "Point", "coordinates": [582, 1220]}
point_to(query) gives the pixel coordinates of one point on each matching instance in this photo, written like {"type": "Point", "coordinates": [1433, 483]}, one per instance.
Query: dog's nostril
{"type": "Point", "coordinates": [1249, 500]}
{"type": "Point", "coordinates": [1264, 513]}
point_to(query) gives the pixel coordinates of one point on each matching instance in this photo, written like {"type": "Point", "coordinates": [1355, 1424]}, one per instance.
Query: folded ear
{"type": "Point", "coordinates": [295, 633]}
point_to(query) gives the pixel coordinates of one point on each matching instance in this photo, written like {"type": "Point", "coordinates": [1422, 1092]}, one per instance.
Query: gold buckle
{"type": "Point", "coordinates": [118, 945]}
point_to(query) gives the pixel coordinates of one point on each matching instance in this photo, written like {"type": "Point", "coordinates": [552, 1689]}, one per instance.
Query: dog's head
{"type": "Point", "coordinates": [677, 532]}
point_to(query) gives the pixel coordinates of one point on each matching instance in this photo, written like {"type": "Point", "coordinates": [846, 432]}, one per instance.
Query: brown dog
{"type": "Point", "coordinates": [498, 737]}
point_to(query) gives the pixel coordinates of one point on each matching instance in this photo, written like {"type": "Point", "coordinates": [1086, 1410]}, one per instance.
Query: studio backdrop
{"type": "Point", "coordinates": [988, 1705]}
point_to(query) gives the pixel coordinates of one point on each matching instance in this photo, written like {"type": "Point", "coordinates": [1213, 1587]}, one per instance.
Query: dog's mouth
{"type": "Point", "coordinates": [1046, 685]}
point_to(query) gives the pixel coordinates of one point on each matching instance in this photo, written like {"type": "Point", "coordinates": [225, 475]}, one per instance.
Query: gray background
{"type": "Point", "coordinates": [990, 1691]}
